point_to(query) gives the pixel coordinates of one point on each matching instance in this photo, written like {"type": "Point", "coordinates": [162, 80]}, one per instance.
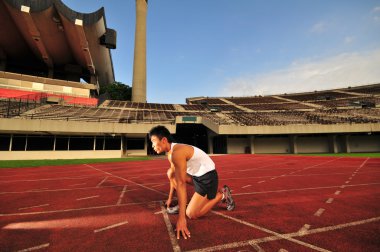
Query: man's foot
{"type": "Point", "coordinates": [173, 210]}
{"type": "Point", "coordinates": [228, 198]}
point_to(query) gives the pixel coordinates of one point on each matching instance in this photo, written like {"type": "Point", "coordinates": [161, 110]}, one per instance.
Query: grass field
{"type": "Point", "coordinates": [371, 155]}
{"type": "Point", "coordinates": [37, 163]}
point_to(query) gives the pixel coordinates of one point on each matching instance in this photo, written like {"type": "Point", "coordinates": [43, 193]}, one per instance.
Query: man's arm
{"type": "Point", "coordinates": [171, 191]}
{"type": "Point", "coordinates": [179, 161]}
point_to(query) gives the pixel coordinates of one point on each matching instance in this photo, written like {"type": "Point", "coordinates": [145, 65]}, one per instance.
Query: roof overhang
{"type": "Point", "coordinates": [47, 36]}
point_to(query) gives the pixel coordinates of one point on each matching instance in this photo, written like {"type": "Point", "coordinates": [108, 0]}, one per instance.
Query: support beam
{"type": "Point", "coordinates": [210, 145]}
{"type": "Point", "coordinates": [36, 36]}
{"type": "Point", "coordinates": [333, 145]}
{"type": "Point", "coordinates": [252, 141]}
{"type": "Point", "coordinates": [3, 60]}
{"type": "Point", "coordinates": [84, 46]}
{"type": "Point", "coordinates": [293, 144]}
{"type": "Point", "coordinates": [346, 143]}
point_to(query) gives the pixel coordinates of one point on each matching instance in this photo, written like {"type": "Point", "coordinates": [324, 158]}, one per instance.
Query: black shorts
{"type": "Point", "coordinates": [206, 184]}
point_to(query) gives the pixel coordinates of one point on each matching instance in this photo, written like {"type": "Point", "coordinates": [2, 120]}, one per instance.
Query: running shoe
{"type": "Point", "coordinates": [173, 210]}
{"type": "Point", "coordinates": [228, 198]}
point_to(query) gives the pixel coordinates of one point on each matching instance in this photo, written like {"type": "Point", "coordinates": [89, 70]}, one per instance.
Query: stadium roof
{"type": "Point", "coordinates": [47, 38]}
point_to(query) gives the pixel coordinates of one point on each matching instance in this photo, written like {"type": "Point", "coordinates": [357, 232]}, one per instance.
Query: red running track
{"type": "Point", "coordinates": [283, 204]}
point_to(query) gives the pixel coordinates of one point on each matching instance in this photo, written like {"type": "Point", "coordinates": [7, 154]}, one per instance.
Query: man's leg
{"type": "Point", "coordinates": [199, 205]}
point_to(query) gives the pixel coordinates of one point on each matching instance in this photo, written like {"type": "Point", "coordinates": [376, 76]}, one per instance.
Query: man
{"type": "Point", "coordinates": [189, 164]}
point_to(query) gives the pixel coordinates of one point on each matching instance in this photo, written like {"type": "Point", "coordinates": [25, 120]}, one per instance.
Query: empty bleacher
{"type": "Point", "coordinates": [137, 105]}
{"type": "Point", "coordinates": [253, 100]}
{"type": "Point", "coordinates": [209, 101]}
{"type": "Point", "coordinates": [277, 106]}
{"type": "Point", "coordinates": [326, 95]}
{"type": "Point", "coordinates": [193, 107]}
{"type": "Point", "coordinates": [342, 108]}
{"type": "Point", "coordinates": [368, 90]}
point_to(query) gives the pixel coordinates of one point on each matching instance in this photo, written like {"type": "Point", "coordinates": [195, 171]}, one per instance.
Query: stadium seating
{"type": "Point", "coordinates": [328, 95]}
{"type": "Point", "coordinates": [329, 107]}
{"type": "Point", "coordinates": [253, 100]}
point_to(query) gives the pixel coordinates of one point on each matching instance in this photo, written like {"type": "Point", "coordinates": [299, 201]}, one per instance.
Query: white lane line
{"type": "Point", "coordinates": [169, 227]}
{"type": "Point", "coordinates": [79, 209]}
{"type": "Point", "coordinates": [110, 227]}
{"type": "Point", "coordinates": [256, 247]}
{"type": "Point", "coordinates": [337, 193]}
{"type": "Point", "coordinates": [303, 230]}
{"type": "Point", "coordinates": [281, 236]}
{"type": "Point", "coordinates": [342, 186]}
{"type": "Point", "coordinates": [246, 186]}
{"type": "Point", "coordinates": [273, 178]}
{"type": "Point", "coordinates": [91, 197]}
{"type": "Point", "coordinates": [121, 195]}
{"type": "Point", "coordinates": [48, 179]}
{"type": "Point", "coordinates": [36, 190]}
{"type": "Point", "coordinates": [304, 189]}
{"type": "Point", "coordinates": [158, 185]}
{"type": "Point", "coordinates": [262, 181]}
{"type": "Point", "coordinates": [319, 212]}
{"type": "Point", "coordinates": [60, 190]}
{"type": "Point", "coordinates": [330, 200]}
{"type": "Point", "coordinates": [275, 237]}
{"type": "Point", "coordinates": [282, 250]}
{"type": "Point", "coordinates": [78, 184]}
{"type": "Point", "coordinates": [347, 182]}
{"type": "Point", "coordinates": [101, 182]}
{"type": "Point", "coordinates": [33, 207]}
{"type": "Point", "coordinates": [35, 248]}
{"type": "Point", "coordinates": [127, 180]}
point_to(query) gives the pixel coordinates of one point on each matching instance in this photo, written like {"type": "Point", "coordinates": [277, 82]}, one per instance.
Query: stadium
{"type": "Point", "coordinates": [55, 61]}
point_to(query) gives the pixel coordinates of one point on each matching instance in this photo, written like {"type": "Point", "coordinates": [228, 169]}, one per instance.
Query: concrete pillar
{"type": "Point", "coordinates": [252, 141]}
{"type": "Point", "coordinates": [146, 146]}
{"type": "Point", "coordinates": [93, 79]}
{"type": "Point", "coordinates": [51, 73]}
{"type": "Point", "coordinates": [347, 143]}
{"type": "Point", "coordinates": [293, 144]}
{"type": "Point", "coordinates": [210, 145]}
{"type": "Point", "coordinates": [333, 146]}
{"type": "Point", "coordinates": [3, 65]}
{"type": "Point", "coordinates": [139, 63]}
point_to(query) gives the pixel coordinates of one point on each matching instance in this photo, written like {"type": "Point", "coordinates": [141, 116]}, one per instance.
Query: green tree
{"type": "Point", "coordinates": [117, 91]}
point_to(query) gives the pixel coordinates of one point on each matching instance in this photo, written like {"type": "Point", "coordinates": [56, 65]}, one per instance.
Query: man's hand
{"type": "Point", "coordinates": [182, 228]}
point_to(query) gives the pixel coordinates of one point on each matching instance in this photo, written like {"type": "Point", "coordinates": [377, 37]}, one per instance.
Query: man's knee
{"type": "Point", "coordinates": [170, 173]}
{"type": "Point", "coordinates": [191, 214]}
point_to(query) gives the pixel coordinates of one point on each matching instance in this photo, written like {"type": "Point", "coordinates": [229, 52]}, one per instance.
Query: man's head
{"type": "Point", "coordinates": [161, 139]}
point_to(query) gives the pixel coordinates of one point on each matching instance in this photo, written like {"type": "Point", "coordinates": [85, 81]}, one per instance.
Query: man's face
{"type": "Point", "coordinates": [157, 144]}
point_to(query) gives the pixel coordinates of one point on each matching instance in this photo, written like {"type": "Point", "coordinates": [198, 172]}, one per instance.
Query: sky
{"type": "Point", "coordinates": [246, 47]}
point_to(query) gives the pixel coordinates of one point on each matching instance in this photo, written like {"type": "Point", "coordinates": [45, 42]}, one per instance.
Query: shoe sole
{"type": "Point", "coordinates": [230, 201]}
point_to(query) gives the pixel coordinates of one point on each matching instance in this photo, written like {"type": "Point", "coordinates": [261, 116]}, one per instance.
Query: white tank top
{"type": "Point", "coordinates": [199, 164]}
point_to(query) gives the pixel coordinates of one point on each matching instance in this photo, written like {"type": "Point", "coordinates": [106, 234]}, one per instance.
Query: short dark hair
{"type": "Point", "coordinates": [161, 131]}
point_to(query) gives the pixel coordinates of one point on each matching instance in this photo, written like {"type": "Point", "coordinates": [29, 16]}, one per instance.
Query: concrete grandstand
{"type": "Point", "coordinates": [333, 121]}
{"type": "Point", "coordinates": [49, 108]}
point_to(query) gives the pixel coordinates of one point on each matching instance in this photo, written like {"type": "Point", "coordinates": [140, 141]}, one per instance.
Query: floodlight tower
{"type": "Point", "coordinates": [139, 63]}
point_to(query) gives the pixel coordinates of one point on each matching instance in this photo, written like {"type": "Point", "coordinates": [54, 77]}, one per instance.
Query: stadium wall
{"type": "Point", "coordinates": [366, 143]}
{"type": "Point", "coordinates": [37, 155]}
{"type": "Point", "coordinates": [312, 144]}
{"type": "Point", "coordinates": [271, 145]}
{"type": "Point", "coordinates": [237, 144]}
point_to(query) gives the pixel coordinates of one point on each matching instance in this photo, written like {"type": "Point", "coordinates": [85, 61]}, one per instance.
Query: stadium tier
{"type": "Point", "coordinates": [343, 108]}
{"type": "Point", "coordinates": [342, 120]}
